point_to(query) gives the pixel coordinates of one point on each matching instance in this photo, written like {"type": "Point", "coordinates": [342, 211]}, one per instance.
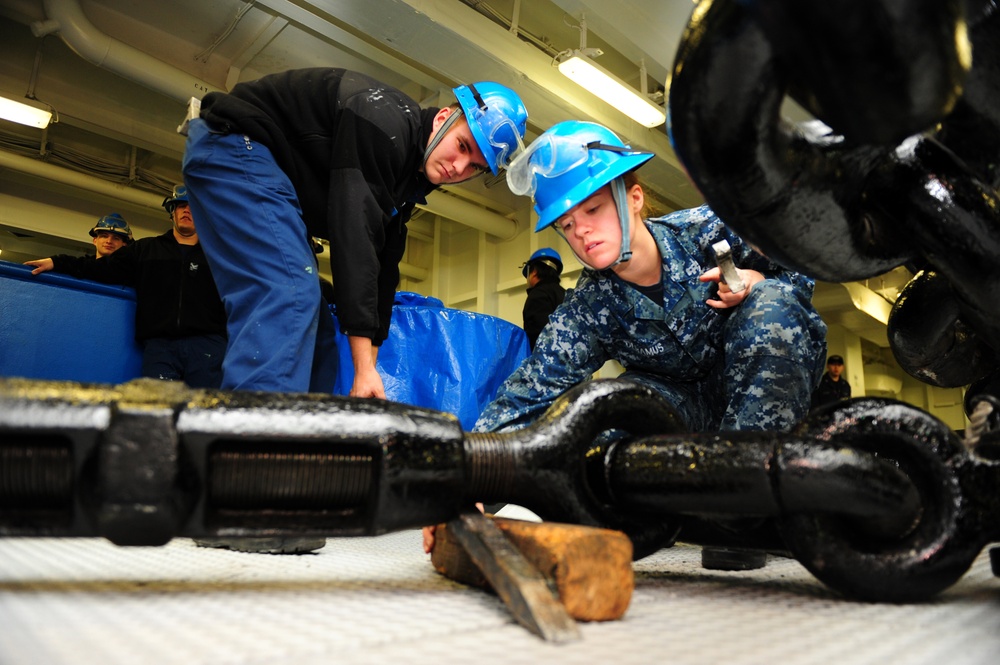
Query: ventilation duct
{"type": "Point", "coordinates": [67, 18]}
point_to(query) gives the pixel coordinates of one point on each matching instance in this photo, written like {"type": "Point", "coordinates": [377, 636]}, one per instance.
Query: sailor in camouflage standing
{"type": "Point", "coordinates": [650, 297]}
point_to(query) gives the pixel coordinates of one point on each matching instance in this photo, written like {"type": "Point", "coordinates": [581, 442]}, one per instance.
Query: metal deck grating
{"type": "Point", "coordinates": [378, 600]}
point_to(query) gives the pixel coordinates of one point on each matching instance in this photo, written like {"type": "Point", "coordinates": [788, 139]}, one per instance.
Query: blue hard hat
{"type": "Point", "coordinates": [113, 223]}
{"type": "Point", "coordinates": [179, 195]}
{"type": "Point", "coordinates": [545, 255]}
{"type": "Point", "coordinates": [497, 119]}
{"type": "Point", "coordinates": [567, 163]}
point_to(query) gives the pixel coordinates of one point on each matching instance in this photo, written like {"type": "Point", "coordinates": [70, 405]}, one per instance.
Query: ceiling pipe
{"type": "Point", "coordinates": [445, 205]}
{"type": "Point", "coordinates": [154, 202]}
{"type": "Point", "coordinates": [67, 18]}
{"type": "Point", "coordinates": [40, 169]}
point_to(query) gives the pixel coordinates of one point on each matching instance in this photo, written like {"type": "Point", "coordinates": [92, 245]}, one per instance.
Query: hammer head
{"type": "Point", "coordinates": [724, 259]}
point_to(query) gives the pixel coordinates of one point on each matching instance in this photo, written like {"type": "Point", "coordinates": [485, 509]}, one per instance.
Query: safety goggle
{"type": "Point", "coordinates": [550, 157]}
{"type": "Point", "coordinates": [111, 225]}
{"type": "Point", "coordinates": [499, 137]}
{"type": "Point", "coordinates": [484, 117]}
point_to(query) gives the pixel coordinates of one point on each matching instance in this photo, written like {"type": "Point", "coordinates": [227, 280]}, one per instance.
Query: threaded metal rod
{"type": "Point", "coordinates": [36, 472]}
{"type": "Point", "coordinates": [281, 479]}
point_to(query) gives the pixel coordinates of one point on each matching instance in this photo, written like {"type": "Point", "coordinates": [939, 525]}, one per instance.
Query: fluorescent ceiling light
{"type": "Point", "coordinates": [588, 74]}
{"type": "Point", "coordinates": [24, 113]}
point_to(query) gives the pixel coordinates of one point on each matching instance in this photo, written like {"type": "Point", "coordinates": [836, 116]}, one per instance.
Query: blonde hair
{"type": "Point", "coordinates": [632, 178]}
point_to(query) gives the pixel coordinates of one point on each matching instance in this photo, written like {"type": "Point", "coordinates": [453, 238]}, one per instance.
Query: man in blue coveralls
{"type": "Point", "coordinates": [333, 154]}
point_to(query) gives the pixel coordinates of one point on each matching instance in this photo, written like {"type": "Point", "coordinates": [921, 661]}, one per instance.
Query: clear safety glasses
{"type": "Point", "coordinates": [506, 138]}
{"type": "Point", "coordinates": [550, 157]}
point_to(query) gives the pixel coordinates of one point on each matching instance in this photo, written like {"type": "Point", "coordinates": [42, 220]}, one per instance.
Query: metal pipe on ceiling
{"type": "Point", "coordinates": [137, 197]}
{"type": "Point", "coordinates": [451, 207]}
{"type": "Point", "coordinates": [47, 171]}
{"type": "Point", "coordinates": [67, 18]}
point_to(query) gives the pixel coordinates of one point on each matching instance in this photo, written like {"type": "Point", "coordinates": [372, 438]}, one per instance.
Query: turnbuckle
{"type": "Point", "coordinates": [878, 499]}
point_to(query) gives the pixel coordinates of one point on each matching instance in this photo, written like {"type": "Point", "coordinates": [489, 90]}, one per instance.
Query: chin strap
{"type": "Point", "coordinates": [442, 130]}
{"type": "Point", "coordinates": [624, 216]}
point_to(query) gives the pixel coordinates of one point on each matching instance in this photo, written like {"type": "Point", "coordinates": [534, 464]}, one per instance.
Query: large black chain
{"type": "Point", "coordinates": [902, 170]}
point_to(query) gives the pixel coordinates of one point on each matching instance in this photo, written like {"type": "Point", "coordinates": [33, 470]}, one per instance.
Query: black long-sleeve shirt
{"type": "Point", "coordinates": [353, 148]}
{"type": "Point", "coordinates": [543, 298]}
{"type": "Point", "coordinates": [174, 291]}
{"type": "Point", "coordinates": [830, 390]}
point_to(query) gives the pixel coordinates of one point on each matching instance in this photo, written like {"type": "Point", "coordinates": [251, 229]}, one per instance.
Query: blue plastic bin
{"type": "Point", "coordinates": [54, 326]}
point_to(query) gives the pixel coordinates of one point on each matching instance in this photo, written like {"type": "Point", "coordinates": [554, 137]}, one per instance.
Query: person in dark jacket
{"type": "Point", "coordinates": [833, 387]}
{"type": "Point", "coordinates": [545, 293]}
{"type": "Point", "coordinates": [333, 154]}
{"type": "Point", "coordinates": [179, 318]}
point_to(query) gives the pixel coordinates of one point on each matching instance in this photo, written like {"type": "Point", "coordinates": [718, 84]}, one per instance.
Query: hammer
{"type": "Point", "coordinates": [727, 269]}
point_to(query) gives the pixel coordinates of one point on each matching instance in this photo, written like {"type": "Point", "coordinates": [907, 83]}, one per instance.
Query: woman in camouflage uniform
{"type": "Point", "coordinates": [650, 297]}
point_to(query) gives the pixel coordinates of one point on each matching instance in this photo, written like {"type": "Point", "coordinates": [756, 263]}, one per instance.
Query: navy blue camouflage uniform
{"type": "Point", "coordinates": [750, 367]}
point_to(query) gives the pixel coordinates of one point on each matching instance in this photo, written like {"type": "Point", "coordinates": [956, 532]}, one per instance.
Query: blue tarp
{"type": "Point", "coordinates": [439, 358]}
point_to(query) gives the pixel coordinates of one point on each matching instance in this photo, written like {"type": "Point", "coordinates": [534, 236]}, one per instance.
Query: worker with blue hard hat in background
{"type": "Point", "coordinates": [542, 271]}
{"type": "Point", "coordinates": [179, 319]}
{"type": "Point", "coordinates": [110, 234]}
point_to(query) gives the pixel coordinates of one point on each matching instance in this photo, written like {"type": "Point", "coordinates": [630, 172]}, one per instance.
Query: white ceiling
{"type": "Point", "coordinates": [129, 81]}
{"type": "Point", "coordinates": [118, 72]}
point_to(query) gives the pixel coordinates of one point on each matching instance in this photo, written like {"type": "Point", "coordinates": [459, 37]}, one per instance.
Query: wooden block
{"type": "Point", "coordinates": [591, 568]}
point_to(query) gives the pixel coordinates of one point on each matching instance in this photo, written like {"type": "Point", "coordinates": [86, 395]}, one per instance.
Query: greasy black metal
{"type": "Point", "coordinates": [137, 498]}
{"type": "Point", "coordinates": [794, 192]}
{"type": "Point", "coordinates": [930, 340]}
{"type": "Point", "coordinates": [762, 474]}
{"type": "Point", "coordinates": [909, 171]}
{"type": "Point", "coordinates": [875, 72]}
{"type": "Point", "coordinates": [38, 475]}
{"type": "Point", "coordinates": [151, 460]}
{"type": "Point", "coordinates": [280, 477]}
{"type": "Point", "coordinates": [971, 129]}
{"type": "Point", "coordinates": [952, 176]}
{"type": "Point", "coordinates": [955, 219]}
{"type": "Point", "coordinates": [557, 467]}
{"type": "Point", "coordinates": [957, 493]}
{"type": "Point", "coordinates": [877, 498]}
